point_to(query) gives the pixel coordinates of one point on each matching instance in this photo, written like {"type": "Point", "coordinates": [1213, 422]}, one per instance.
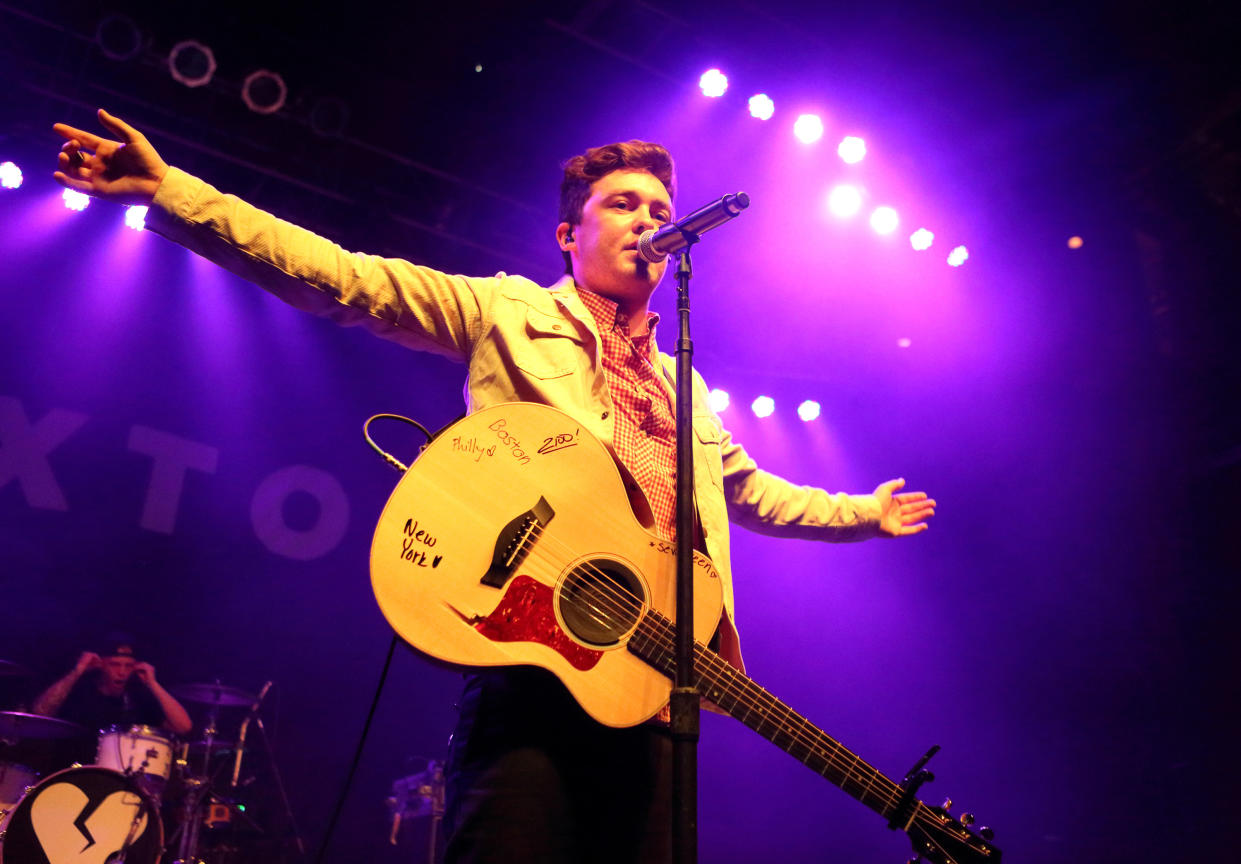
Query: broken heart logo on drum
{"type": "Point", "coordinates": [83, 816]}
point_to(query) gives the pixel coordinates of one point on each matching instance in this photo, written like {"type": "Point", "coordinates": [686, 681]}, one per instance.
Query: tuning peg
{"type": "Point", "coordinates": [987, 833]}
{"type": "Point", "coordinates": [967, 818]}
{"type": "Point", "coordinates": [947, 805]}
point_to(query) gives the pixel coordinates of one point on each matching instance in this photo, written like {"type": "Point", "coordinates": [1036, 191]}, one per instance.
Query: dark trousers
{"type": "Point", "coordinates": [532, 778]}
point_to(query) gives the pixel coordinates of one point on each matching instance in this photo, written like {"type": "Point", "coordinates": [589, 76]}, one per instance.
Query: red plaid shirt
{"type": "Point", "coordinates": [645, 425]}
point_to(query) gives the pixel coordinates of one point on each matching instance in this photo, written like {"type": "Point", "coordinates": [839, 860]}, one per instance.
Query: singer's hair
{"type": "Point", "coordinates": [581, 172]}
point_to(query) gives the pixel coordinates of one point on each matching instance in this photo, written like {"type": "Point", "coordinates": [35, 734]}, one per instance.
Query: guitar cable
{"type": "Point", "coordinates": [383, 675]}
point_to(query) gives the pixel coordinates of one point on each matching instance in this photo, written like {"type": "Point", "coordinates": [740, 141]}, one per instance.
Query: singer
{"type": "Point", "coordinates": [531, 778]}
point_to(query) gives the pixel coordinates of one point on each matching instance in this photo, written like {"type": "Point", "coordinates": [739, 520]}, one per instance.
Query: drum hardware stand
{"type": "Point", "coordinates": [197, 788]}
{"type": "Point", "coordinates": [284, 798]}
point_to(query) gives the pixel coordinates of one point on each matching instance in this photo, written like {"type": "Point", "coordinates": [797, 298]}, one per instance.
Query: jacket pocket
{"type": "Point", "coordinates": [552, 349]}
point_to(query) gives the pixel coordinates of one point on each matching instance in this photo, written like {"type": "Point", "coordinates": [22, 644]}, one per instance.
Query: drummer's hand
{"type": "Point", "coordinates": [145, 673]}
{"type": "Point", "coordinates": [127, 171]}
{"type": "Point", "coordinates": [89, 660]}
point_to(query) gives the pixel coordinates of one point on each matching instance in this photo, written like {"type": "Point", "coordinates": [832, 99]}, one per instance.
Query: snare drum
{"type": "Point", "coordinates": [139, 751]}
{"type": "Point", "coordinates": [83, 815]}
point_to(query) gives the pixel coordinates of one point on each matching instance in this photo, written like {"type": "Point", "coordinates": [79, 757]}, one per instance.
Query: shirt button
{"type": "Point", "coordinates": [604, 416]}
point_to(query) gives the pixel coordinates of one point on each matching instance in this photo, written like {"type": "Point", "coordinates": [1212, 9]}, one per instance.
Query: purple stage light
{"type": "Point", "coordinates": [904, 342]}
{"type": "Point", "coordinates": [135, 217]}
{"type": "Point", "coordinates": [844, 201]}
{"type": "Point", "coordinates": [713, 83]}
{"type": "Point", "coordinates": [958, 256]}
{"type": "Point", "coordinates": [763, 406]}
{"type": "Point", "coordinates": [761, 106]}
{"type": "Point", "coordinates": [852, 149]}
{"type": "Point", "coordinates": [75, 200]}
{"type": "Point", "coordinates": [921, 240]}
{"type": "Point", "coordinates": [808, 410]}
{"type": "Point", "coordinates": [10, 175]}
{"type": "Point", "coordinates": [884, 220]}
{"type": "Point", "coordinates": [808, 128]}
{"type": "Point", "coordinates": [718, 400]}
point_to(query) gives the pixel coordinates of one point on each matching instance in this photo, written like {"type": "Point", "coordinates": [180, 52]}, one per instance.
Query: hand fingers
{"type": "Point", "coordinates": [72, 182]}
{"type": "Point", "coordinates": [73, 163]}
{"type": "Point", "coordinates": [91, 141]}
{"type": "Point", "coordinates": [914, 529]}
{"type": "Point", "coordinates": [908, 497]}
{"type": "Point", "coordinates": [119, 127]}
{"type": "Point", "coordinates": [890, 487]}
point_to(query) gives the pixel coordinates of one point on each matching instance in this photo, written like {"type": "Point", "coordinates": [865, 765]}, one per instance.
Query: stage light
{"type": "Point", "coordinates": [1076, 242]}
{"type": "Point", "coordinates": [135, 217]}
{"type": "Point", "coordinates": [264, 92]}
{"type": "Point", "coordinates": [10, 175]}
{"type": "Point", "coordinates": [808, 410]}
{"type": "Point", "coordinates": [808, 128]}
{"type": "Point", "coordinates": [904, 342]}
{"type": "Point", "coordinates": [958, 256]}
{"type": "Point", "coordinates": [718, 400]}
{"type": "Point", "coordinates": [191, 63]}
{"type": "Point", "coordinates": [852, 150]}
{"type": "Point", "coordinates": [921, 240]}
{"type": "Point", "coordinates": [844, 201]}
{"type": "Point", "coordinates": [884, 220]}
{"type": "Point", "coordinates": [763, 406]}
{"type": "Point", "coordinates": [761, 106]}
{"type": "Point", "coordinates": [713, 83]}
{"type": "Point", "coordinates": [75, 200]}
{"type": "Point", "coordinates": [118, 37]}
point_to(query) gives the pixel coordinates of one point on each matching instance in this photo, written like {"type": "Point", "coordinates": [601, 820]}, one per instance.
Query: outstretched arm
{"type": "Point", "coordinates": [127, 171]}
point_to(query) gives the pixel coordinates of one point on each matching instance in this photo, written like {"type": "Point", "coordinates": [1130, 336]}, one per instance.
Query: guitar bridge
{"type": "Point", "coordinates": [514, 542]}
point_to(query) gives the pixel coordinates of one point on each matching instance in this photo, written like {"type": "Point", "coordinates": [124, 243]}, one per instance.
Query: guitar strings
{"type": "Point", "coordinates": [628, 607]}
{"type": "Point", "coordinates": [807, 734]}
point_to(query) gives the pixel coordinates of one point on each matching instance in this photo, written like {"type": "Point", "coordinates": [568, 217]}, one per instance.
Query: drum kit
{"type": "Point", "coordinates": [147, 798]}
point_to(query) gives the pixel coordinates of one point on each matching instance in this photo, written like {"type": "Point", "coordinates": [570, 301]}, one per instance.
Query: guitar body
{"type": "Point", "coordinates": [511, 541]}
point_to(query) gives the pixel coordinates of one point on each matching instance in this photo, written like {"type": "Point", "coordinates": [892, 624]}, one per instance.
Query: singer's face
{"type": "Point", "coordinates": [604, 248]}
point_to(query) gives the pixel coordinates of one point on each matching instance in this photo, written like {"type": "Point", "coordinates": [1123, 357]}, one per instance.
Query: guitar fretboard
{"type": "Point", "coordinates": [654, 641]}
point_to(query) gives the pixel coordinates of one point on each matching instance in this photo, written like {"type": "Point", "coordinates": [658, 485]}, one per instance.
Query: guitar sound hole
{"type": "Point", "coordinates": [600, 602]}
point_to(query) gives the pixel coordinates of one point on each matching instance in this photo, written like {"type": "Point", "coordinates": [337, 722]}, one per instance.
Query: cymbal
{"type": "Point", "coordinates": [9, 669]}
{"type": "Point", "coordinates": [213, 694]}
{"type": "Point", "coordinates": [14, 725]}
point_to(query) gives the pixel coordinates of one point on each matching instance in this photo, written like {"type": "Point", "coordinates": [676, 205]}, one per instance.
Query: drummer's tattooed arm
{"type": "Point", "coordinates": [53, 697]}
{"type": "Point", "coordinates": [175, 715]}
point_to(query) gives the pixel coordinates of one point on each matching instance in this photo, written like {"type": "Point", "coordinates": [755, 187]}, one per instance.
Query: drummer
{"type": "Point", "coordinates": [110, 688]}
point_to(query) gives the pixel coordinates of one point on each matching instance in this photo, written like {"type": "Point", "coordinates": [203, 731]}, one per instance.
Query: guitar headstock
{"type": "Point", "coordinates": [940, 838]}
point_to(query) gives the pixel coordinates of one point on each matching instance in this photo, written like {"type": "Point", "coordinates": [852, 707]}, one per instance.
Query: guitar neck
{"type": "Point", "coordinates": [715, 679]}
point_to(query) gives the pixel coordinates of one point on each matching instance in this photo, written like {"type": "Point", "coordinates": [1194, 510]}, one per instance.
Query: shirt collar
{"type": "Point", "coordinates": [606, 313]}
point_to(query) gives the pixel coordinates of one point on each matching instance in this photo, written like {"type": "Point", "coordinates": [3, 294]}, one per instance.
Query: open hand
{"type": "Point", "coordinates": [145, 673]}
{"type": "Point", "coordinates": [87, 661]}
{"type": "Point", "coordinates": [905, 513]}
{"type": "Point", "coordinates": [127, 171]}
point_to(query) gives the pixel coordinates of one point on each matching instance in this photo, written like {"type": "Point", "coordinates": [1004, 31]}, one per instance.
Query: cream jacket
{"type": "Point", "coordinates": [521, 341]}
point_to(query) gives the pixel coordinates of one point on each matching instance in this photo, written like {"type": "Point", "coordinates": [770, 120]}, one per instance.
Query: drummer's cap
{"type": "Point", "coordinates": [117, 644]}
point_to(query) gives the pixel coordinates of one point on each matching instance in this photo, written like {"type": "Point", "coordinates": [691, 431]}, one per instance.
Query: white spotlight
{"type": "Point", "coordinates": [713, 83]}
{"type": "Point", "coordinates": [884, 220]}
{"type": "Point", "coordinates": [10, 175]}
{"type": "Point", "coordinates": [958, 256]}
{"type": "Point", "coordinates": [761, 106]}
{"type": "Point", "coordinates": [718, 400]}
{"type": "Point", "coordinates": [135, 217]}
{"type": "Point", "coordinates": [921, 240]}
{"type": "Point", "coordinates": [763, 406]}
{"type": "Point", "coordinates": [808, 128]}
{"type": "Point", "coordinates": [852, 149]}
{"type": "Point", "coordinates": [75, 200]}
{"type": "Point", "coordinates": [808, 410]}
{"type": "Point", "coordinates": [844, 201]}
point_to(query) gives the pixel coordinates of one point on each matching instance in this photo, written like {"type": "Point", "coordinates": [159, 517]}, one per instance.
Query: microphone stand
{"type": "Point", "coordinates": [685, 703]}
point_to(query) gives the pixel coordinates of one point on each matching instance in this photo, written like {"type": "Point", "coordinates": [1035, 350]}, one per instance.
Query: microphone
{"type": "Point", "coordinates": [241, 737]}
{"type": "Point", "coordinates": [658, 243]}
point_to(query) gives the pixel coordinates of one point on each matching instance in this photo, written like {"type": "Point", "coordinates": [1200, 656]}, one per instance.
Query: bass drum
{"type": "Point", "coordinates": [83, 816]}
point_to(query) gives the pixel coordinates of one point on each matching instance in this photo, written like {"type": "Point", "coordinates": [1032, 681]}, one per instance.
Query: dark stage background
{"type": "Point", "coordinates": [182, 454]}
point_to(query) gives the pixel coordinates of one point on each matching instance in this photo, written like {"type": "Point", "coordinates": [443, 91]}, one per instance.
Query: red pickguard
{"type": "Point", "coordinates": [525, 614]}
